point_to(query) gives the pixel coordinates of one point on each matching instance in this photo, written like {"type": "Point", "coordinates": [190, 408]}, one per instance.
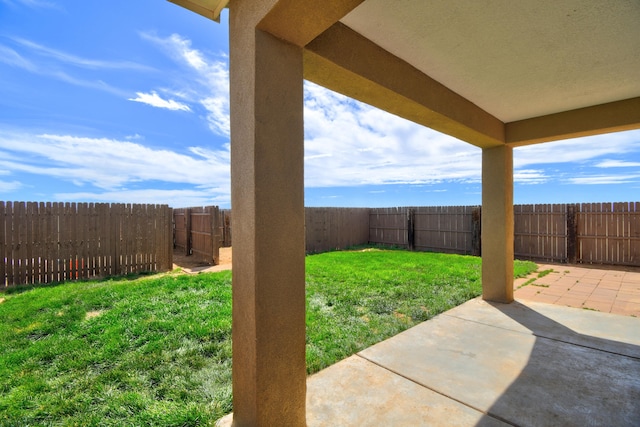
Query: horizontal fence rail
{"type": "Point", "coordinates": [53, 242]}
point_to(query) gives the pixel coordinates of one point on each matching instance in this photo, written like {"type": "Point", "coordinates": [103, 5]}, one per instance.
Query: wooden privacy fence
{"type": "Point", "coordinates": [52, 242]}
{"type": "Point", "coordinates": [335, 228]}
{"type": "Point", "coordinates": [199, 231]}
{"type": "Point", "coordinates": [448, 229]}
{"type": "Point", "coordinates": [590, 233]}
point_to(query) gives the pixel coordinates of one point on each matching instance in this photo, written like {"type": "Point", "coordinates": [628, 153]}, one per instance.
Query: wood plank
{"type": "Point", "coordinates": [64, 243]}
{"type": "Point", "coordinates": [73, 235]}
{"type": "Point", "coordinates": [102, 210]}
{"type": "Point", "coordinates": [615, 247]}
{"type": "Point", "coordinates": [124, 239]}
{"type": "Point", "coordinates": [94, 237]}
{"type": "Point", "coordinates": [634, 232]}
{"type": "Point", "coordinates": [168, 260]}
{"type": "Point", "coordinates": [18, 243]}
{"type": "Point", "coordinates": [149, 236]}
{"type": "Point", "coordinates": [10, 244]}
{"type": "Point", "coordinates": [29, 242]}
{"type": "Point", "coordinates": [50, 241]}
{"type": "Point", "coordinates": [3, 246]}
{"type": "Point", "coordinates": [41, 239]}
{"type": "Point", "coordinates": [83, 228]}
{"type": "Point", "coordinates": [158, 257]}
{"type": "Point", "coordinates": [114, 219]}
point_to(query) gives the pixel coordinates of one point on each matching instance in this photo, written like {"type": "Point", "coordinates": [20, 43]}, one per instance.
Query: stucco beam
{"type": "Point", "coordinates": [595, 120]}
{"type": "Point", "coordinates": [344, 61]}
{"type": "Point", "coordinates": [311, 18]}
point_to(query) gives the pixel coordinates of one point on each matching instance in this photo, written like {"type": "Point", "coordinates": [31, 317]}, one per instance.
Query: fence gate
{"type": "Point", "coordinates": [197, 232]}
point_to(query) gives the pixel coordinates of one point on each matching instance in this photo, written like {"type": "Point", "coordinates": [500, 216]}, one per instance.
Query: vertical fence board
{"type": "Point", "coordinates": [9, 242]}
{"type": "Point", "coordinates": [167, 218]}
{"type": "Point", "coordinates": [114, 238]}
{"type": "Point", "coordinates": [65, 241]}
{"type": "Point", "coordinates": [18, 244]}
{"type": "Point", "coordinates": [21, 247]}
{"type": "Point", "coordinates": [3, 245]}
{"type": "Point", "coordinates": [29, 264]}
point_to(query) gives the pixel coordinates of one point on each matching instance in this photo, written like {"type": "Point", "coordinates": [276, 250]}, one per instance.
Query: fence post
{"type": "Point", "coordinates": [476, 231]}
{"type": "Point", "coordinates": [572, 234]}
{"type": "Point", "coordinates": [227, 229]}
{"type": "Point", "coordinates": [410, 228]}
{"type": "Point", "coordinates": [215, 233]}
{"type": "Point", "coordinates": [187, 228]}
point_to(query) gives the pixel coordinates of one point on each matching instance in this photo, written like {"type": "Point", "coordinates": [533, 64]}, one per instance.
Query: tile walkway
{"type": "Point", "coordinates": [604, 290]}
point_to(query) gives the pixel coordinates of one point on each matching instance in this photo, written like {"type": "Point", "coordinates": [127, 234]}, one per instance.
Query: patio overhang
{"type": "Point", "coordinates": [497, 75]}
{"type": "Point", "coordinates": [210, 9]}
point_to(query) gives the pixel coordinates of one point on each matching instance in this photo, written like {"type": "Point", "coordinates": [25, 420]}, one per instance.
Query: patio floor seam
{"type": "Point", "coordinates": [394, 372]}
{"type": "Point", "coordinates": [488, 324]}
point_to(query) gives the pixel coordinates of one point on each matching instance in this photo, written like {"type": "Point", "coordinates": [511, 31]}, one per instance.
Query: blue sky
{"type": "Point", "coordinates": [127, 101]}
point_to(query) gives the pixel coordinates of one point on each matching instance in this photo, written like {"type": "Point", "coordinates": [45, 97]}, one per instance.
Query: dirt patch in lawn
{"type": "Point", "coordinates": [92, 314]}
{"type": "Point", "coordinates": [180, 260]}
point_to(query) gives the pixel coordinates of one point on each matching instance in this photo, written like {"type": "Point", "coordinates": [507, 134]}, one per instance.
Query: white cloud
{"type": "Point", "coordinates": [604, 179]}
{"type": "Point", "coordinates": [530, 176]}
{"type": "Point", "coordinates": [33, 4]}
{"type": "Point", "coordinates": [617, 164]}
{"type": "Point", "coordinates": [349, 143]}
{"type": "Point", "coordinates": [79, 61]}
{"type": "Point", "coordinates": [9, 186]}
{"type": "Point", "coordinates": [577, 150]}
{"type": "Point", "coordinates": [113, 165]}
{"type": "Point", "coordinates": [155, 100]}
{"type": "Point", "coordinates": [11, 57]}
{"type": "Point", "coordinates": [206, 82]}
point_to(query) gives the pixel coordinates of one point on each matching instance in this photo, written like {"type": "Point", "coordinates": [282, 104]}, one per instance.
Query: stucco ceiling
{"type": "Point", "coordinates": [514, 59]}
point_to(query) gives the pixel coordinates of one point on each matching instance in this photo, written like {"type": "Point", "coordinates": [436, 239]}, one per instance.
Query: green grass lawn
{"type": "Point", "coordinates": [157, 350]}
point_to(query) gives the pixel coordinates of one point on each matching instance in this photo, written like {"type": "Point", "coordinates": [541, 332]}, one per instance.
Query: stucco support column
{"type": "Point", "coordinates": [497, 224]}
{"type": "Point", "coordinates": [267, 194]}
